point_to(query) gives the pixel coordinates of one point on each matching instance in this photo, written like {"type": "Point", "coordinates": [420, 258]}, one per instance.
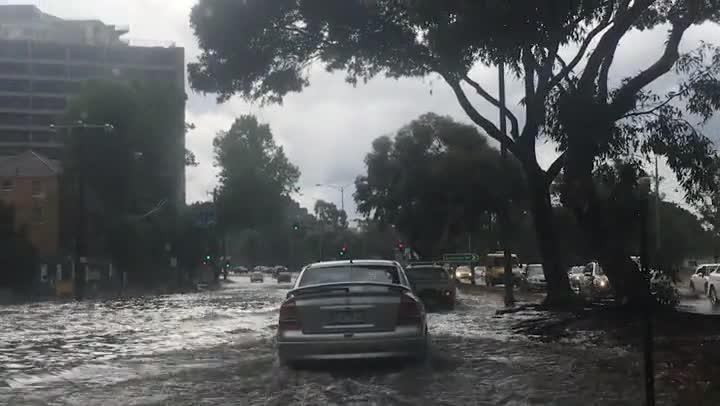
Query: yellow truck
{"type": "Point", "coordinates": [495, 269]}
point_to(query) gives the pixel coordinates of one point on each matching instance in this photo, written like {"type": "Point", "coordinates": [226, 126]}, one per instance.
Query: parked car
{"type": "Point", "coordinates": [495, 269]}
{"type": "Point", "coordinates": [257, 277]}
{"type": "Point", "coordinates": [699, 279]}
{"type": "Point", "coordinates": [433, 285]}
{"type": "Point", "coordinates": [714, 287]}
{"type": "Point", "coordinates": [533, 277]}
{"type": "Point", "coordinates": [592, 283]}
{"type": "Point", "coordinates": [284, 277]}
{"type": "Point", "coordinates": [240, 269]}
{"type": "Point", "coordinates": [351, 309]}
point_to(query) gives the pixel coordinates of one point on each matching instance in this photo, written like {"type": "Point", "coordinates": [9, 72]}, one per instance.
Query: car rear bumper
{"type": "Point", "coordinates": [352, 348]}
{"type": "Point", "coordinates": [437, 298]}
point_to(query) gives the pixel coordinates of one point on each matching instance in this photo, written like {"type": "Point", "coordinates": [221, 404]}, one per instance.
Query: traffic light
{"type": "Point", "coordinates": [400, 246]}
{"type": "Point", "coordinates": [227, 264]}
{"type": "Point", "coordinates": [207, 259]}
{"type": "Point", "coordinates": [343, 251]}
{"type": "Point", "coordinates": [296, 227]}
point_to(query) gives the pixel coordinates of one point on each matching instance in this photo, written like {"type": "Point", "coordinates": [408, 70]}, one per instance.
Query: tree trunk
{"type": "Point", "coordinates": [558, 287]}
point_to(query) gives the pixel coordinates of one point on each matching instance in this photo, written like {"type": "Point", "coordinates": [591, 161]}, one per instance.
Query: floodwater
{"type": "Point", "coordinates": [216, 348]}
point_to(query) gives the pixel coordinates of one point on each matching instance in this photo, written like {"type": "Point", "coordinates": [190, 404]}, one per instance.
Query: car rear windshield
{"type": "Point", "coordinates": [355, 273]}
{"type": "Point", "coordinates": [426, 273]}
{"type": "Point", "coordinates": [534, 270]}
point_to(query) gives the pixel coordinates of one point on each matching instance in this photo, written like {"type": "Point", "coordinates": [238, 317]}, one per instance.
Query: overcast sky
{"type": "Point", "coordinates": [327, 129]}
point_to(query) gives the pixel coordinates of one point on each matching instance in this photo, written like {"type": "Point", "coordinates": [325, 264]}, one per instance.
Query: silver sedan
{"type": "Point", "coordinates": [351, 310]}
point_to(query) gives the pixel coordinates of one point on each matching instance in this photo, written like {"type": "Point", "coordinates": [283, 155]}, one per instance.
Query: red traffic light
{"type": "Point", "coordinates": [400, 245]}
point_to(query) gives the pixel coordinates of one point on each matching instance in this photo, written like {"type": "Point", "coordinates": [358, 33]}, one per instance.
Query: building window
{"type": "Point", "coordinates": [7, 185]}
{"type": "Point", "coordinates": [38, 214]}
{"type": "Point", "coordinates": [37, 190]}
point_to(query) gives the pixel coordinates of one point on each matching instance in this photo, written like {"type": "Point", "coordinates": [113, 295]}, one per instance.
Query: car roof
{"type": "Point", "coordinates": [500, 254]}
{"type": "Point", "coordinates": [328, 264]}
{"type": "Point", "coordinates": [424, 266]}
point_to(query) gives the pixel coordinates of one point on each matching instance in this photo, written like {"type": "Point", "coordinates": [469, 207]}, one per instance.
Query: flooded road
{"type": "Point", "coordinates": [216, 348]}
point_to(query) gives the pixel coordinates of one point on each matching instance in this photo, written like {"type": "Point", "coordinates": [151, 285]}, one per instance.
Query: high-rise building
{"type": "Point", "coordinates": [45, 59]}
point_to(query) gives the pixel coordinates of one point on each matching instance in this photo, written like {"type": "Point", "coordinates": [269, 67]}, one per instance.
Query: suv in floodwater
{"type": "Point", "coordinates": [433, 285]}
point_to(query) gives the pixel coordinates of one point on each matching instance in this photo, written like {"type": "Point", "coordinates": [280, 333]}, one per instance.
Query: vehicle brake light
{"type": "Point", "coordinates": [289, 315]}
{"type": "Point", "coordinates": [409, 312]}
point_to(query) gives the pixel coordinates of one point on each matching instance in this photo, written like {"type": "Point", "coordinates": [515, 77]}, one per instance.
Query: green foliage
{"type": "Point", "coordinates": [434, 179]}
{"type": "Point", "coordinates": [255, 175]}
{"type": "Point", "coordinates": [17, 256]}
{"type": "Point", "coordinates": [328, 214]}
{"type": "Point", "coordinates": [131, 172]}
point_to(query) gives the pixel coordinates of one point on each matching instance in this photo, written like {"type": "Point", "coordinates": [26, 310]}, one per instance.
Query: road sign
{"type": "Point", "coordinates": [461, 257]}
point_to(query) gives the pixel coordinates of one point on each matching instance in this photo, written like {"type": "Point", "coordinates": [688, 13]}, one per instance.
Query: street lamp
{"type": "Point", "coordinates": [80, 218]}
{"type": "Point", "coordinates": [336, 187]}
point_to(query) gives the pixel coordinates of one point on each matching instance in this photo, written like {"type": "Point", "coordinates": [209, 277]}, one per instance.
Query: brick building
{"type": "Point", "coordinates": [29, 182]}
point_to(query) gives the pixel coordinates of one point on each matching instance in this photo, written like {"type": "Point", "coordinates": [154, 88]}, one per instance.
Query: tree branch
{"type": "Point", "coordinates": [603, 78]}
{"type": "Point", "coordinates": [545, 73]}
{"type": "Point", "coordinates": [608, 43]}
{"type": "Point", "coordinates": [652, 110]}
{"type": "Point", "coordinates": [514, 126]}
{"type": "Point", "coordinates": [534, 105]}
{"type": "Point", "coordinates": [568, 68]}
{"type": "Point", "coordinates": [554, 170]}
{"type": "Point", "coordinates": [477, 118]}
{"type": "Point", "coordinates": [624, 99]}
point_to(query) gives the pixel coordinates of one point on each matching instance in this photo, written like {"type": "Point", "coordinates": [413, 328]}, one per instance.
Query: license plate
{"type": "Point", "coordinates": [348, 317]}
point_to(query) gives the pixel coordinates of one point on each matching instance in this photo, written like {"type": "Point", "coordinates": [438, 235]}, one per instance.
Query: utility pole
{"type": "Point", "coordinates": [342, 198]}
{"type": "Point", "coordinates": [218, 241]}
{"type": "Point", "coordinates": [509, 295]}
{"type": "Point", "coordinates": [79, 217]}
{"type": "Point", "coordinates": [80, 254]}
{"type": "Point", "coordinates": [336, 187]}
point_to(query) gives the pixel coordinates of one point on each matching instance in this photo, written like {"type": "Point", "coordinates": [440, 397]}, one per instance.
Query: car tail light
{"type": "Point", "coordinates": [289, 315]}
{"type": "Point", "coordinates": [409, 311]}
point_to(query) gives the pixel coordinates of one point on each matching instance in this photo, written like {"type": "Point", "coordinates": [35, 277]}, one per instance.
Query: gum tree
{"type": "Point", "coordinates": [261, 50]}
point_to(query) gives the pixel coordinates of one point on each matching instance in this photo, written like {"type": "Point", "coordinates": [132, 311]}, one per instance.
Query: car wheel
{"type": "Point", "coordinates": [713, 296]}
